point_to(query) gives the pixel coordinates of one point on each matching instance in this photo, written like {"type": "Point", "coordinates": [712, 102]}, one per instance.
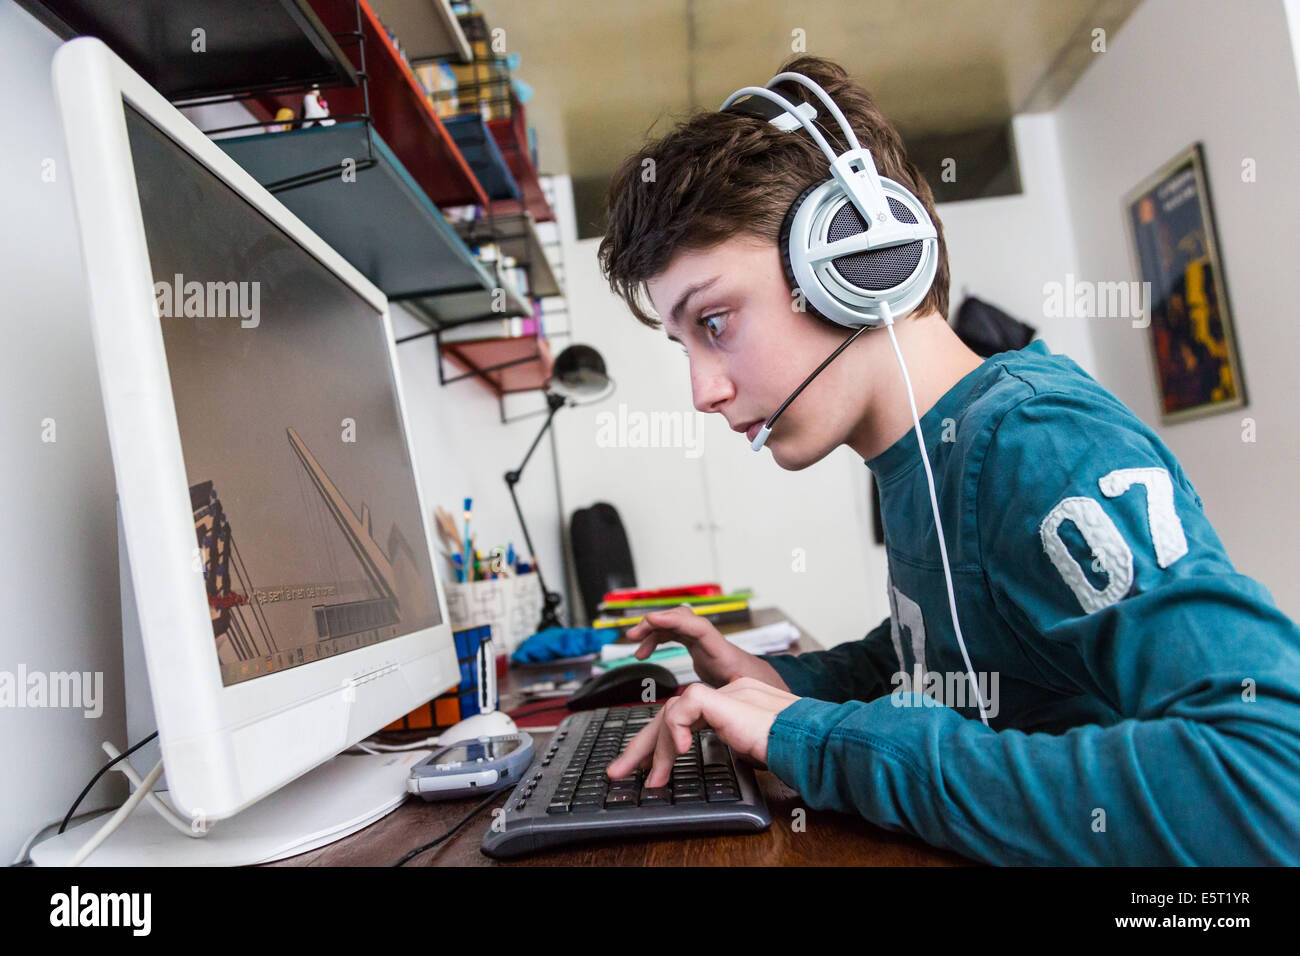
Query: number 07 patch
{"type": "Point", "coordinates": [1111, 554]}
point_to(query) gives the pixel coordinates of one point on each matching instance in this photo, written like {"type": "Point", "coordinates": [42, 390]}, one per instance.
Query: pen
{"type": "Point", "coordinates": [469, 568]}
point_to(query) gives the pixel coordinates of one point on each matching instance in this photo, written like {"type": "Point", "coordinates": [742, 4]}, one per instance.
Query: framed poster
{"type": "Point", "coordinates": [1175, 245]}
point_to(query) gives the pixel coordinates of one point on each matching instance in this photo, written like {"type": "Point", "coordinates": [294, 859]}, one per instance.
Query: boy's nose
{"type": "Point", "coordinates": [710, 389]}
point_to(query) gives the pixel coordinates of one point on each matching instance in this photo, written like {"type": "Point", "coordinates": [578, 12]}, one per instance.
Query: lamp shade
{"type": "Point", "coordinates": [579, 373]}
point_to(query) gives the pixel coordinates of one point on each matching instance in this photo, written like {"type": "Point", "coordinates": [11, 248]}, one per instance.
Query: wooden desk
{"type": "Point", "coordinates": [828, 838]}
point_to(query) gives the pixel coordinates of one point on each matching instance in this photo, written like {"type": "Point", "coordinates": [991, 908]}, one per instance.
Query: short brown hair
{"type": "Point", "coordinates": [718, 175]}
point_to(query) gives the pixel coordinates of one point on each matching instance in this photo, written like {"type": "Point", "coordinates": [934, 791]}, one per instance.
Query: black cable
{"type": "Point", "coordinates": [452, 832]}
{"type": "Point", "coordinates": [95, 779]}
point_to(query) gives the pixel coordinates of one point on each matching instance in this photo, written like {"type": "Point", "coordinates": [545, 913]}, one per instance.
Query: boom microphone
{"type": "Point", "coordinates": [761, 438]}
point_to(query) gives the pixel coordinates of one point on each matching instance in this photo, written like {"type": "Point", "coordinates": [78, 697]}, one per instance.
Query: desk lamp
{"type": "Point", "coordinates": [578, 377]}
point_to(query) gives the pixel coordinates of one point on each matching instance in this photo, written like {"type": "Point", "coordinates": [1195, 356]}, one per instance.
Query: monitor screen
{"type": "Point", "coordinates": [307, 523]}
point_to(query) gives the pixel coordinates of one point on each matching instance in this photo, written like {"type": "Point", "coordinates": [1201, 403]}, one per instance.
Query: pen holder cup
{"type": "Point", "coordinates": [511, 606]}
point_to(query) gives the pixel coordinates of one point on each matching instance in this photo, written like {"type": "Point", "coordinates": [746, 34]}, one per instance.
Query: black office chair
{"type": "Point", "coordinates": [601, 555]}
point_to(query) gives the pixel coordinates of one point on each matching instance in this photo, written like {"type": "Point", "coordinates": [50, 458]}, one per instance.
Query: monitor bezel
{"type": "Point", "coordinates": [198, 716]}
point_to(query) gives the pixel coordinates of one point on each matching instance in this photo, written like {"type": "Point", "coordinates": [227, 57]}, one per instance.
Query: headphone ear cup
{"type": "Point", "coordinates": [853, 289]}
{"type": "Point", "coordinates": [783, 243]}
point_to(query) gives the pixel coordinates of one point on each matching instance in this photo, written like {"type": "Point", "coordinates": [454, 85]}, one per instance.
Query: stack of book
{"type": "Point", "coordinates": [622, 609]}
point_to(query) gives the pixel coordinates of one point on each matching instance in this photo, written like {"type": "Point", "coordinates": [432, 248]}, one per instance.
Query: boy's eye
{"type": "Point", "coordinates": [715, 324]}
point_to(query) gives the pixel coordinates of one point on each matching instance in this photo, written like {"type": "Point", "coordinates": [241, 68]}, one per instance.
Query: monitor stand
{"type": "Point", "coordinates": [336, 799]}
{"type": "Point", "coordinates": [342, 795]}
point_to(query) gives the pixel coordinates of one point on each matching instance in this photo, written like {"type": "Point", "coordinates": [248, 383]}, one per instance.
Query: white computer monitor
{"type": "Point", "coordinates": [278, 543]}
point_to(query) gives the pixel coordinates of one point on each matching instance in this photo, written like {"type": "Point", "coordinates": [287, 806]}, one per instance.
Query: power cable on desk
{"type": "Point", "coordinates": [453, 831]}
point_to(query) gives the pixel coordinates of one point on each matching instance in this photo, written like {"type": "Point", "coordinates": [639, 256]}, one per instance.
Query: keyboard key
{"type": "Point", "coordinates": [714, 752]}
{"type": "Point", "coordinates": [620, 798]}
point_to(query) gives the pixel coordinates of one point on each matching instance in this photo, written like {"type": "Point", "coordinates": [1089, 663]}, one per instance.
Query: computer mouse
{"type": "Point", "coordinates": [492, 724]}
{"type": "Point", "coordinates": [624, 685]}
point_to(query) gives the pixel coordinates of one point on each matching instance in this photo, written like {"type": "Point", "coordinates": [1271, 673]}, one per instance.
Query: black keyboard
{"type": "Point", "coordinates": [565, 797]}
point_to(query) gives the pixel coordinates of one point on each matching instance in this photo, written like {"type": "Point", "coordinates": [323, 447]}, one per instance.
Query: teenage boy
{"type": "Point", "coordinates": [1147, 695]}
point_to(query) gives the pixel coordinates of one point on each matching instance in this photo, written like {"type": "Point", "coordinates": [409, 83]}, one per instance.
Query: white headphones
{"type": "Point", "coordinates": [860, 248]}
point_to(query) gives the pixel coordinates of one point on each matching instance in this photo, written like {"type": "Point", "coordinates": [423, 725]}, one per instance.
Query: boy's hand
{"type": "Point", "coordinates": [717, 660]}
{"type": "Point", "coordinates": [741, 714]}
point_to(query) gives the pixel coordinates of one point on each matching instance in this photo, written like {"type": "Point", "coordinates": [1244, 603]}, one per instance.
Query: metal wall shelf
{"type": "Point", "coordinates": [249, 44]}
{"type": "Point", "coordinates": [383, 223]}
{"type": "Point", "coordinates": [483, 154]}
{"type": "Point", "coordinates": [447, 310]}
{"type": "Point", "coordinates": [512, 136]}
{"type": "Point", "coordinates": [504, 365]}
{"type": "Point", "coordinates": [515, 235]}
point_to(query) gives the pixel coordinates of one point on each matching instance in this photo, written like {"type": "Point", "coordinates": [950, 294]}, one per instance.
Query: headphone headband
{"type": "Point", "coordinates": [861, 267]}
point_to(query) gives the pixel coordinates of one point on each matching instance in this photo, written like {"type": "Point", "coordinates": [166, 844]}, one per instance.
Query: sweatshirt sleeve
{"type": "Point", "coordinates": [1100, 560]}
{"type": "Point", "coordinates": [855, 670]}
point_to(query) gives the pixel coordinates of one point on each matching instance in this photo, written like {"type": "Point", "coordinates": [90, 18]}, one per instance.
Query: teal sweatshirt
{"type": "Point", "coordinates": [1144, 697]}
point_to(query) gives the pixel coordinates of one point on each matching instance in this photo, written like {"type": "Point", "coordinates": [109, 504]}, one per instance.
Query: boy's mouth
{"type": "Point", "coordinates": [750, 429]}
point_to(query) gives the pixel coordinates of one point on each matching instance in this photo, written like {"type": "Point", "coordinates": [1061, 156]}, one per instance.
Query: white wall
{"type": "Point", "coordinates": [58, 558]}
{"type": "Point", "coordinates": [1224, 74]}
{"type": "Point", "coordinates": [463, 450]}
{"type": "Point", "coordinates": [1003, 249]}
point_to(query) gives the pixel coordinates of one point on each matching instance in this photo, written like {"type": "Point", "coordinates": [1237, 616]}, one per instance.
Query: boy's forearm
{"type": "Point", "coordinates": [1166, 791]}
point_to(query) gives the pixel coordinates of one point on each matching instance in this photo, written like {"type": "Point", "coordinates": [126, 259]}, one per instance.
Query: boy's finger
{"type": "Point", "coordinates": [638, 630]}
{"type": "Point", "coordinates": [688, 625]}
{"type": "Point", "coordinates": [681, 715]}
{"type": "Point", "coordinates": [667, 749]}
{"type": "Point", "coordinates": [638, 749]}
{"type": "Point", "coordinates": [652, 640]}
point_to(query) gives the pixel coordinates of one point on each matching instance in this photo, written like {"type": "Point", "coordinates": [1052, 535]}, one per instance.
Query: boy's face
{"type": "Point", "coordinates": [749, 348]}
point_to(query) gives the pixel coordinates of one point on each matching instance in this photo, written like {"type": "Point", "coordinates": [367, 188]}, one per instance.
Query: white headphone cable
{"type": "Point", "coordinates": [934, 506]}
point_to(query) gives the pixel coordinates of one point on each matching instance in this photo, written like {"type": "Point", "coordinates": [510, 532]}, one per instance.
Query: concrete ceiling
{"type": "Point", "coordinates": [608, 72]}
